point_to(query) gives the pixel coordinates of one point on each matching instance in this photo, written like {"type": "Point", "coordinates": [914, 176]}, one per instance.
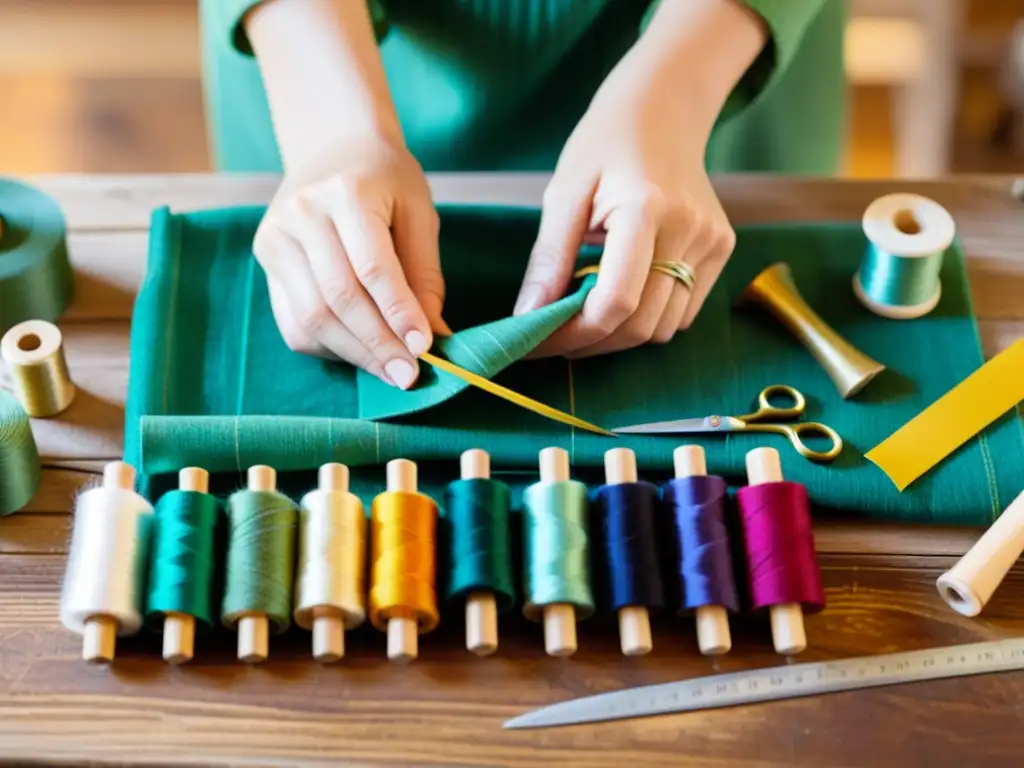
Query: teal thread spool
{"type": "Point", "coordinates": [181, 568]}
{"type": "Point", "coordinates": [557, 558]}
{"type": "Point", "coordinates": [907, 237]}
{"type": "Point", "coordinates": [480, 550]}
{"type": "Point", "coordinates": [19, 459]}
{"type": "Point", "coordinates": [260, 564]}
{"type": "Point", "coordinates": [36, 280]}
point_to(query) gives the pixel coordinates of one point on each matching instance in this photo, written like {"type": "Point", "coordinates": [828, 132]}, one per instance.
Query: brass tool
{"type": "Point", "coordinates": [774, 290]}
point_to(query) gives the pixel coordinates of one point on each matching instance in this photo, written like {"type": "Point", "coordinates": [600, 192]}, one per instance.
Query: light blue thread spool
{"type": "Point", "coordinates": [907, 237]}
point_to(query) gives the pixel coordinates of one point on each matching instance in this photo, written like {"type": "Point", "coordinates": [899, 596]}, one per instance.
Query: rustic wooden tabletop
{"type": "Point", "coordinates": [447, 708]}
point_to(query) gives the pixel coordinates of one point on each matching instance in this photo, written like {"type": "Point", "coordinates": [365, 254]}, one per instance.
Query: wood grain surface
{"type": "Point", "coordinates": [447, 708]}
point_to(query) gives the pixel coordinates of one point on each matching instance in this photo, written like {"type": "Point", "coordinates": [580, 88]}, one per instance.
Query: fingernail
{"type": "Point", "coordinates": [416, 343]}
{"type": "Point", "coordinates": [401, 372]}
{"type": "Point", "coordinates": [529, 301]}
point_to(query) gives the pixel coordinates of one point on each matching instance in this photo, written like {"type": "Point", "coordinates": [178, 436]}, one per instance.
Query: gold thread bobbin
{"type": "Point", "coordinates": [34, 350]}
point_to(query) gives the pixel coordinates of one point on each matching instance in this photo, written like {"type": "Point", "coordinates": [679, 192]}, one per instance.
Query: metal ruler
{"type": "Point", "coordinates": [786, 682]}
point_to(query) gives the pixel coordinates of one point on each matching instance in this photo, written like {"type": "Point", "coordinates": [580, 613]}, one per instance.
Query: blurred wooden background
{"type": "Point", "coordinates": [113, 86]}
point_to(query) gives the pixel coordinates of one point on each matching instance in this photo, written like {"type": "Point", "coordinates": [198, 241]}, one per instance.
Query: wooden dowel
{"type": "Point", "coordinates": [328, 622]}
{"type": "Point", "coordinates": [481, 607]}
{"type": "Point", "coordinates": [559, 618]}
{"type": "Point", "coordinates": [403, 631]}
{"type": "Point", "coordinates": [180, 628]}
{"type": "Point", "coordinates": [253, 626]}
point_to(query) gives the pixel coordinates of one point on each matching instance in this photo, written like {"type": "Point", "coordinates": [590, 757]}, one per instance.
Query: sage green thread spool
{"type": "Point", "coordinates": [907, 237]}
{"type": "Point", "coordinates": [19, 459]}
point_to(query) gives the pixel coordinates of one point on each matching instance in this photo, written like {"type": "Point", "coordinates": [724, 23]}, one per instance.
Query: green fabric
{"type": "Point", "coordinates": [213, 385]}
{"type": "Point", "coordinates": [500, 84]}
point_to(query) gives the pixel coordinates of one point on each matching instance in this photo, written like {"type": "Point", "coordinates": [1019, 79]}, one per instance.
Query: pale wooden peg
{"type": "Point", "coordinates": [713, 635]}
{"type": "Point", "coordinates": [403, 631]}
{"type": "Point", "coordinates": [99, 636]}
{"type": "Point", "coordinates": [180, 628]}
{"type": "Point", "coordinates": [481, 607]}
{"type": "Point", "coordinates": [559, 618]}
{"type": "Point", "coordinates": [328, 623]}
{"type": "Point", "coordinates": [788, 635]}
{"type": "Point", "coordinates": [253, 626]}
{"type": "Point", "coordinates": [970, 584]}
{"type": "Point", "coordinates": [634, 620]}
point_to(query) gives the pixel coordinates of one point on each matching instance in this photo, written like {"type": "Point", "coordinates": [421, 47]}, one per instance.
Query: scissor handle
{"type": "Point", "coordinates": [795, 433]}
{"type": "Point", "coordinates": [766, 411]}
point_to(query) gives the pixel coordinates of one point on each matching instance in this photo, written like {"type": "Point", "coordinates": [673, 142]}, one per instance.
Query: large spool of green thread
{"type": "Point", "coordinates": [260, 567]}
{"type": "Point", "coordinates": [19, 459]}
{"type": "Point", "coordinates": [36, 280]}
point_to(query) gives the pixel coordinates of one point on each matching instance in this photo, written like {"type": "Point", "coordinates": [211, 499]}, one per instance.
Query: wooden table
{"type": "Point", "coordinates": [447, 708]}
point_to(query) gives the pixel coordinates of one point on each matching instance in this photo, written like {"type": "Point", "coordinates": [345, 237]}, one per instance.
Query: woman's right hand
{"type": "Point", "coordinates": [351, 257]}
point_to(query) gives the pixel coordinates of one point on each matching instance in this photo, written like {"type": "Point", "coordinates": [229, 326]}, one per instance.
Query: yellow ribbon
{"type": "Point", "coordinates": [953, 419]}
{"type": "Point", "coordinates": [513, 397]}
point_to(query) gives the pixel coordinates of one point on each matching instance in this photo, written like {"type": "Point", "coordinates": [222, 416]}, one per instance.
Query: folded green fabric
{"type": "Point", "coordinates": [213, 384]}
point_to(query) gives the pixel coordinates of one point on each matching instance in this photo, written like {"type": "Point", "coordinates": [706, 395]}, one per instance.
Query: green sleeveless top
{"type": "Point", "coordinates": [498, 85]}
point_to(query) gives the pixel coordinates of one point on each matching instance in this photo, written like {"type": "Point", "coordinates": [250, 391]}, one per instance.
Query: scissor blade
{"type": "Point", "coordinates": [680, 426]}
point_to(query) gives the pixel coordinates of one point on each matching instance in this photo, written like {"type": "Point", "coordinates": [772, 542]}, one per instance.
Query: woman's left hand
{"type": "Point", "coordinates": [634, 169]}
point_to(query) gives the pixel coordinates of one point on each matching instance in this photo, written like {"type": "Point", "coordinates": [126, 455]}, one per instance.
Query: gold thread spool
{"type": "Point", "coordinates": [35, 353]}
{"type": "Point", "coordinates": [774, 290]}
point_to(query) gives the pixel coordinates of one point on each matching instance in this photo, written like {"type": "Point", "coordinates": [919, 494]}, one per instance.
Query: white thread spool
{"type": "Point", "coordinates": [403, 632]}
{"type": "Point", "coordinates": [559, 618]}
{"type": "Point", "coordinates": [912, 229]}
{"type": "Point", "coordinates": [713, 635]}
{"type": "Point", "coordinates": [254, 626]}
{"type": "Point", "coordinates": [330, 580]}
{"type": "Point", "coordinates": [102, 594]}
{"type": "Point", "coordinates": [788, 635]}
{"type": "Point", "coordinates": [180, 628]}
{"type": "Point", "coordinates": [481, 607]}
{"type": "Point", "coordinates": [634, 620]}
{"type": "Point", "coordinates": [969, 585]}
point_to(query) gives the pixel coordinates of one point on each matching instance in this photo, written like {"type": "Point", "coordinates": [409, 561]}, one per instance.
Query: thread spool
{"type": "Point", "coordinates": [795, 584]}
{"type": "Point", "coordinates": [330, 581]}
{"type": "Point", "coordinates": [907, 237]}
{"type": "Point", "coordinates": [556, 506]}
{"type": "Point", "coordinates": [34, 352]}
{"type": "Point", "coordinates": [103, 584]}
{"type": "Point", "coordinates": [774, 290]}
{"type": "Point", "coordinates": [634, 555]}
{"type": "Point", "coordinates": [36, 280]}
{"type": "Point", "coordinates": [182, 565]}
{"type": "Point", "coordinates": [260, 564]}
{"type": "Point", "coordinates": [969, 585]}
{"type": "Point", "coordinates": [20, 469]}
{"type": "Point", "coordinates": [712, 619]}
{"type": "Point", "coordinates": [402, 598]}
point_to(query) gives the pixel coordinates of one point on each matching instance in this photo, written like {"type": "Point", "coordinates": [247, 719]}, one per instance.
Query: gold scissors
{"type": "Point", "coordinates": [758, 421]}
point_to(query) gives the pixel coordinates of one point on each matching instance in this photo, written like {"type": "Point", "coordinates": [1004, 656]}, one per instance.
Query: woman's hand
{"type": "Point", "coordinates": [634, 169]}
{"type": "Point", "coordinates": [350, 252]}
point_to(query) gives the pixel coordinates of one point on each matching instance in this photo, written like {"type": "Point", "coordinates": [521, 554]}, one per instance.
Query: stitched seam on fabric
{"type": "Point", "coordinates": [993, 488]}
{"type": "Point", "coordinates": [572, 412]}
{"type": "Point", "coordinates": [469, 349]}
{"type": "Point", "coordinates": [498, 344]}
{"type": "Point", "coordinates": [169, 341]}
{"type": "Point", "coordinates": [246, 321]}
{"type": "Point", "coordinates": [376, 432]}
{"type": "Point", "coordinates": [238, 450]}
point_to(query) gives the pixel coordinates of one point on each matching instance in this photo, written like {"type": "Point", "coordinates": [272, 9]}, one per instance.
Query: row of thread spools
{"type": "Point", "coordinates": [131, 566]}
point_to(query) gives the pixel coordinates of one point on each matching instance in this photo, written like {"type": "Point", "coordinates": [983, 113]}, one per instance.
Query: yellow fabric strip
{"type": "Point", "coordinates": [953, 419]}
{"type": "Point", "coordinates": [513, 397]}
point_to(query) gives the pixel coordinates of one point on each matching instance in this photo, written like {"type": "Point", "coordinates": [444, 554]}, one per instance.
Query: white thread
{"type": "Point", "coordinates": [332, 557]}
{"type": "Point", "coordinates": [106, 568]}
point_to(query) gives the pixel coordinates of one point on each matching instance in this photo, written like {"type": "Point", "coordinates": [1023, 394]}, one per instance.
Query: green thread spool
{"type": "Point", "coordinates": [557, 570]}
{"type": "Point", "coordinates": [260, 563]}
{"type": "Point", "coordinates": [480, 550]}
{"type": "Point", "coordinates": [36, 280]}
{"type": "Point", "coordinates": [19, 459]}
{"type": "Point", "coordinates": [907, 237]}
{"type": "Point", "coordinates": [182, 566]}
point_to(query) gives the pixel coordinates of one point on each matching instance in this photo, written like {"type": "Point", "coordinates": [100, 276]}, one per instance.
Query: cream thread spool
{"type": "Point", "coordinates": [254, 627]}
{"type": "Point", "coordinates": [713, 635]}
{"type": "Point", "coordinates": [102, 594]}
{"type": "Point", "coordinates": [481, 607]}
{"type": "Point", "coordinates": [559, 618]}
{"type": "Point", "coordinates": [34, 352]}
{"type": "Point", "coordinates": [969, 585]}
{"type": "Point", "coordinates": [330, 580]}
{"type": "Point", "coordinates": [788, 634]}
{"type": "Point", "coordinates": [403, 632]}
{"type": "Point", "coordinates": [899, 275]}
{"type": "Point", "coordinates": [180, 628]}
{"type": "Point", "coordinates": [634, 620]}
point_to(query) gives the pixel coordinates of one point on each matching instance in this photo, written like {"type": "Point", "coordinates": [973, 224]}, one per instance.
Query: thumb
{"type": "Point", "coordinates": [415, 229]}
{"type": "Point", "coordinates": [563, 223]}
